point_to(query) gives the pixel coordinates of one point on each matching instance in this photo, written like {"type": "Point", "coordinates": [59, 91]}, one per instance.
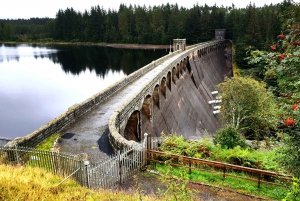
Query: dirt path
{"type": "Point", "coordinates": [148, 183]}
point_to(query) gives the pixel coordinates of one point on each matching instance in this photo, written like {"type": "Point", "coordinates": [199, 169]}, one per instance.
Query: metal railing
{"type": "Point", "coordinates": [105, 174]}
{"type": "Point", "coordinates": [215, 167]}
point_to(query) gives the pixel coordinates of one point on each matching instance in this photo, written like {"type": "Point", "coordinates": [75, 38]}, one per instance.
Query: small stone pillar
{"type": "Point", "coordinates": [179, 44]}
{"type": "Point", "coordinates": [220, 34]}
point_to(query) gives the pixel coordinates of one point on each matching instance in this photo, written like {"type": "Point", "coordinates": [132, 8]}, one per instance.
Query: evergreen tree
{"type": "Point", "coordinates": [253, 34]}
{"type": "Point", "coordinates": [206, 33]}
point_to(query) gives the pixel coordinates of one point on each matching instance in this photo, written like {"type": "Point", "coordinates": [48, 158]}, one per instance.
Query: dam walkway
{"type": "Point", "coordinates": [89, 134]}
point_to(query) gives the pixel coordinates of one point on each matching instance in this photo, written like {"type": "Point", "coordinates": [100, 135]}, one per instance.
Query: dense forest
{"type": "Point", "coordinates": [250, 26]}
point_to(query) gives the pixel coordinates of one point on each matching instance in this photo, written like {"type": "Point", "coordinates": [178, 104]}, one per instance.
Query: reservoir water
{"type": "Point", "coordinates": [38, 83]}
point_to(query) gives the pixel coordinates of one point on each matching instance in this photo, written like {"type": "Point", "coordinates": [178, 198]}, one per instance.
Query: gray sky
{"type": "Point", "coordinates": [14, 9]}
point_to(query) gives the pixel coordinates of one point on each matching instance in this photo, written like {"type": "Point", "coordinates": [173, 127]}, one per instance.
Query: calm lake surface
{"type": "Point", "coordinates": [38, 83]}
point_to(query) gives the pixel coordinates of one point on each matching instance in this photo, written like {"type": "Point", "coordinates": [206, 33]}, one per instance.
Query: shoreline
{"type": "Point", "coordinates": [113, 45]}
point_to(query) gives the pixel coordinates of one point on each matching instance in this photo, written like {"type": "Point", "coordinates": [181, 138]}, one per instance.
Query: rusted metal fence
{"type": "Point", "coordinates": [215, 167]}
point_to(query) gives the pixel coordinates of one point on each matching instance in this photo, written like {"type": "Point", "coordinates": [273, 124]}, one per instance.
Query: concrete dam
{"type": "Point", "coordinates": [183, 105]}
{"type": "Point", "coordinates": [169, 95]}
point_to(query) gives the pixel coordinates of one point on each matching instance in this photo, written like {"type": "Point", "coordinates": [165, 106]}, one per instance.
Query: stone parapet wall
{"type": "Point", "coordinates": [118, 119]}
{"type": "Point", "coordinates": [78, 110]}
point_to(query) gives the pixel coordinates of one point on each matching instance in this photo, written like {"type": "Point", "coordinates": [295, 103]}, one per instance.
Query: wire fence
{"type": "Point", "coordinates": [55, 162]}
{"type": "Point", "coordinates": [105, 174]}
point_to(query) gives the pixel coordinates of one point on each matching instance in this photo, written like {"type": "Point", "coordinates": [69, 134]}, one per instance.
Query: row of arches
{"type": "Point", "coordinates": [133, 127]}
{"type": "Point", "coordinates": [143, 116]}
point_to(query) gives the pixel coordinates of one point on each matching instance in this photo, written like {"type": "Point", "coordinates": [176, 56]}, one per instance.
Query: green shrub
{"type": "Point", "coordinates": [228, 138]}
{"type": "Point", "coordinates": [294, 192]}
{"type": "Point", "coordinates": [204, 148]}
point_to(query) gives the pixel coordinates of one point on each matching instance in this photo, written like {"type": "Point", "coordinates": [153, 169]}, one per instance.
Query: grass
{"type": "Point", "coordinates": [27, 183]}
{"type": "Point", "coordinates": [47, 144]}
{"type": "Point", "coordinates": [39, 159]}
{"type": "Point", "coordinates": [239, 185]}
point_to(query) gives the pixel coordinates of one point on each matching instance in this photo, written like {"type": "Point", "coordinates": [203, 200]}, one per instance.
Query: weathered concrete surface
{"type": "Point", "coordinates": [185, 110]}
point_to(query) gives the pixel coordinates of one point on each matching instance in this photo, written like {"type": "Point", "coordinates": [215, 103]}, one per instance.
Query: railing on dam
{"type": "Point", "coordinates": [121, 115]}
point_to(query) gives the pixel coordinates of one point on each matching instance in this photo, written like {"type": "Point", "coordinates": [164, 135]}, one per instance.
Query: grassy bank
{"type": "Point", "coordinates": [20, 183]}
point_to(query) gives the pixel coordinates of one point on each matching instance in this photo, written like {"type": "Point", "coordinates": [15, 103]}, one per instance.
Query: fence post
{"type": "Point", "coordinates": [120, 167]}
{"type": "Point", "coordinates": [146, 149]}
{"type": "Point", "coordinates": [16, 154]}
{"type": "Point", "coordinates": [259, 177]}
{"type": "Point", "coordinates": [53, 161]}
{"type": "Point", "coordinates": [224, 172]}
{"type": "Point", "coordinates": [190, 165]}
{"type": "Point", "coordinates": [86, 172]}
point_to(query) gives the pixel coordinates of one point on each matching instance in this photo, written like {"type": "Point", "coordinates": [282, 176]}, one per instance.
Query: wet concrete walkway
{"type": "Point", "coordinates": [89, 135]}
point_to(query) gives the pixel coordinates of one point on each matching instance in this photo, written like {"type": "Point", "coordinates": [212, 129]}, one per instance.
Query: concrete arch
{"type": "Point", "coordinates": [177, 70]}
{"type": "Point", "coordinates": [184, 64]}
{"type": "Point", "coordinates": [181, 67]}
{"type": "Point", "coordinates": [163, 86]}
{"type": "Point", "coordinates": [155, 95]}
{"type": "Point", "coordinates": [133, 127]}
{"type": "Point", "coordinates": [188, 66]}
{"type": "Point", "coordinates": [147, 107]}
{"type": "Point", "coordinates": [168, 81]}
{"type": "Point", "coordinates": [173, 75]}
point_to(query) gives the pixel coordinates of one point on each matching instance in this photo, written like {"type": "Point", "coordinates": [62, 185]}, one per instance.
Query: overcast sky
{"type": "Point", "coordinates": [13, 9]}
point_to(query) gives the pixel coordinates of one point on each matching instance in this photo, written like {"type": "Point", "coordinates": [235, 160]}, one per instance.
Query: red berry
{"type": "Point", "coordinates": [280, 36]}
{"type": "Point", "coordinates": [295, 43]}
{"type": "Point", "coordinates": [273, 47]}
{"type": "Point", "coordinates": [295, 106]}
{"type": "Point", "coordinates": [289, 122]}
{"type": "Point", "coordinates": [281, 57]}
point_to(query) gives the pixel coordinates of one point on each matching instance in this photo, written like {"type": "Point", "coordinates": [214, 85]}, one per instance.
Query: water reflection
{"type": "Point", "coordinates": [14, 52]}
{"type": "Point", "coordinates": [75, 59]}
{"type": "Point", "coordinates": [38, 83]}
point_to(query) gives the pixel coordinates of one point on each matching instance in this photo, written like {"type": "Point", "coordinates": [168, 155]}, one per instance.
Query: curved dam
{"type": "Point", "coordinates": [184, 108]}
{"type": "Point", "coordinates": [169, 95]}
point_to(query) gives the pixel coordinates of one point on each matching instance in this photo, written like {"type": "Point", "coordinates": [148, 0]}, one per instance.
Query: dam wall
{"type": "Point", "coordinates": [185, 110]}
{"type": "Point", "coordinates": [175, 99]}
